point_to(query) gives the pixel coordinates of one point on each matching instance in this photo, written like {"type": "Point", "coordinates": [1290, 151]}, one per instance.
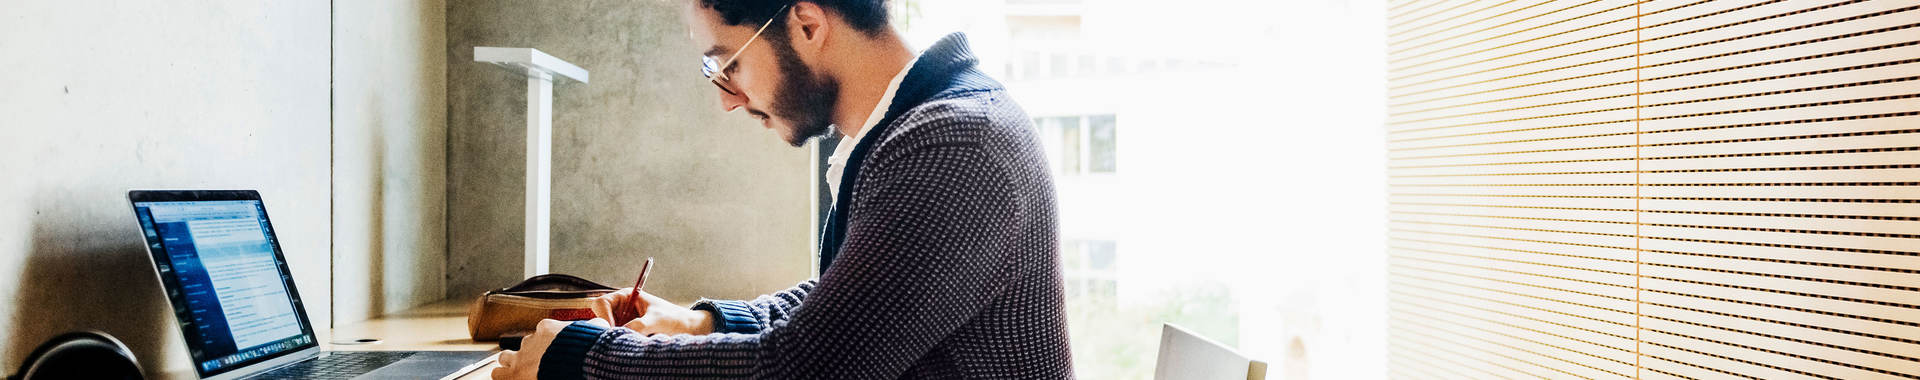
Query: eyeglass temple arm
{"type": "Point", "coordinates": [756, 35]}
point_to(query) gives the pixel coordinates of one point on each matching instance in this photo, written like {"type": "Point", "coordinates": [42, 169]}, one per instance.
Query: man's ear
{"type": "Point", "coordinates": [808, 25]}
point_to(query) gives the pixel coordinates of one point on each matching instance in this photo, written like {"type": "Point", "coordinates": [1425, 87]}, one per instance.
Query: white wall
{"type": "Point", "coordinates": [98, 97]}
{"type": "Point", "coordinates": [389, 156]}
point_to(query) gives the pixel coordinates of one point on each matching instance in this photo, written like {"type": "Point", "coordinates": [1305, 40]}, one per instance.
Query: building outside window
{"type": "Point", "coordinates": [1217, 210]}
{"type": "Point", "coordinates": [1079, 145]}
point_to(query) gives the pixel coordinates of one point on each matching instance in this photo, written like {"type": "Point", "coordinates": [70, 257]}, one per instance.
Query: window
{"type": "Point", "coordinates": [1089, 267]}
{"type": "Point", "coordinates": [1248, 207]}
{"type": "Point", "coordinates": [1100, 144]}
{"type": "Point", "coordinates": [1078, 145]}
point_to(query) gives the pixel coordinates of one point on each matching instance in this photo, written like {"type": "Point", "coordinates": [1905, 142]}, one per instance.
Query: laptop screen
{"type": "Point", "coordinates": [229, 286]}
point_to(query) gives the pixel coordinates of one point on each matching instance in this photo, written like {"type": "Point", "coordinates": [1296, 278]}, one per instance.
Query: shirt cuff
{"type": "Point", "coordinates": [730, 316]}
{"type": "Point", "coordinates": [566, 357]}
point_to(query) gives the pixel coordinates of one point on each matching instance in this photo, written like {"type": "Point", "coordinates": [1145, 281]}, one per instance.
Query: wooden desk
{"type": "Point", "coordinates": [439, 326]}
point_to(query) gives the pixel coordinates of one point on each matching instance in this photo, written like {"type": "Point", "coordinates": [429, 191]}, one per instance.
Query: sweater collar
{"type": "Point", "coordinates": [942, 68]}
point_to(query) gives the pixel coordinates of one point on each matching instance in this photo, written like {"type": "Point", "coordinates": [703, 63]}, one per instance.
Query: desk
{"type": "Point", "coordinates": [439, 326]}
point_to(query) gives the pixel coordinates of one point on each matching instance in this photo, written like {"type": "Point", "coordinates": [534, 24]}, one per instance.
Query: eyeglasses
{"type": "Point", "coordinates": [716, 71]}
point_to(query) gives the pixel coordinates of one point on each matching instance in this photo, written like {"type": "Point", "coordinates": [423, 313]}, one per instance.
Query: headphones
{"type": "Point", "coordinates": [84, 354]}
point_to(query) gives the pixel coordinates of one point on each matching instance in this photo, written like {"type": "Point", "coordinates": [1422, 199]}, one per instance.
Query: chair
{"type": "Point", "coordinates": [1186, 356]}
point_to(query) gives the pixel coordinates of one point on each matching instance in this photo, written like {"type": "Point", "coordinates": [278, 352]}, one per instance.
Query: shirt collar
{"type": "Point", "coordinates": [837, 164]}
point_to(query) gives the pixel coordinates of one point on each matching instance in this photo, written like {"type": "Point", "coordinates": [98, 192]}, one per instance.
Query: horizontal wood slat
{"type": "Point", "coordinates": [1663, 189]}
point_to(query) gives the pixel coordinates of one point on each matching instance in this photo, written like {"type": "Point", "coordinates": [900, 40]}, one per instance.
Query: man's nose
{"type": "Point", "coordinates": [731, 101]}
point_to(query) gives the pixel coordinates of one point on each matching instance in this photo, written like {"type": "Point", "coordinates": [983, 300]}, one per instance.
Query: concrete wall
{"type": "Point", "coordinates": [645, 163]}
{"type": "Point", "coordinates": [389, 156]}
{"type": "Point", "coordinates": [421, 170]}
{"type": "Point", "coordinates": [98, 97]}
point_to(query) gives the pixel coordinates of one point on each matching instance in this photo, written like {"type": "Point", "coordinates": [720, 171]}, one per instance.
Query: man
{"type": "Point", "coordinates": [939, 259]}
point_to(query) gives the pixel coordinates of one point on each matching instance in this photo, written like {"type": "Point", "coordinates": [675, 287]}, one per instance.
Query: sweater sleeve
{"type": "Point", "coordinates": [749, 317]}
{"type": "Point", "coordinates": [924, 253]}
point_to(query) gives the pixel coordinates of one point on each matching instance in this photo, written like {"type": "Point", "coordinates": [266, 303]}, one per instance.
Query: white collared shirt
{"type": "Point", "coordinates": [836, 164]}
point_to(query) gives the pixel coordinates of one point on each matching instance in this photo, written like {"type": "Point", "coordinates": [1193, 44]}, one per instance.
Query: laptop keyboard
{"type": "Point", "coordinates": [336, 365]}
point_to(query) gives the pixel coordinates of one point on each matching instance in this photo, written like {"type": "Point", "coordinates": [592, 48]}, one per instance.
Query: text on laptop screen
{"type": "Point", "coordinates": [230, 288]}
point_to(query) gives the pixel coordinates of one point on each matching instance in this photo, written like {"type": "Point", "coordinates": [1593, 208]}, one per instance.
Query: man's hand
{"type": "Point", "coordinates": [662, 317]}
{"type": "Point", "coordinates": [525, 364]}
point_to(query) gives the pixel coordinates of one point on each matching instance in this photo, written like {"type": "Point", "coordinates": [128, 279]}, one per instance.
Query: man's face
{"type": "Point", "coordinates": [768, 78]}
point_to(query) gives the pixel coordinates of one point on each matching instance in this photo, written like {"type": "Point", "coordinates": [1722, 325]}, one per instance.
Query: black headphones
{"type": "Point", "coordinates": [80, 355]}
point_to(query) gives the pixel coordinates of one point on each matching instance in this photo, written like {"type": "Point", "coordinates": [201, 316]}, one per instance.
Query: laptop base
{"type": "Point", "coordinates": [378, 365]}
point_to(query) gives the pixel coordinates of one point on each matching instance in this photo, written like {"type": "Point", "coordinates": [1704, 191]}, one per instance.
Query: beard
{"type": "Point", "coordinates": [806, 97]}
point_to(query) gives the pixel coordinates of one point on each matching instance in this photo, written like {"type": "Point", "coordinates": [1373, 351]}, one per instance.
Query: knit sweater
{"type": "Point", "coordinates": [940, 260]}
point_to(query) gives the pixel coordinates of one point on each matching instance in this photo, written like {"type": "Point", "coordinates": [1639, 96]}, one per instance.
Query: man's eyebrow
{"type": "Point", "coordinates": [715, 51]}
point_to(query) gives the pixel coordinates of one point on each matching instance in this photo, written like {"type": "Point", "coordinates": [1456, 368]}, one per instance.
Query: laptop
{"type": "Point", "coordinates": [233, 296]}
{"type": "Point", "coordinates": [1185, 355]}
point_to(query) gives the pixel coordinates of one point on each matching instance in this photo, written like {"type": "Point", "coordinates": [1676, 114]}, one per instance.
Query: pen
{"type": "Point", "coordinates": [645, 269]}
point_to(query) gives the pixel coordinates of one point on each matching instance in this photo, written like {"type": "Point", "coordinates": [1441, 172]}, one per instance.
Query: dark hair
{"type": "Point", "coordinates": [867, 16]}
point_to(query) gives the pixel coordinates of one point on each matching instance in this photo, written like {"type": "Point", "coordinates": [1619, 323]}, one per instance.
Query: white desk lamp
{"type": "Point", "coordinates": [541, 71]}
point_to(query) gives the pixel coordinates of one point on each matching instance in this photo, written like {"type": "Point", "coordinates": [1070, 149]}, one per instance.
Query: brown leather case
{"type": "Point", "coordinates": [520, 307]}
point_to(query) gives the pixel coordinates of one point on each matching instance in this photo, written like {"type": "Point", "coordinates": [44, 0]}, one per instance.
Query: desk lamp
{"type": "Point", "coordinates": [541, 70]}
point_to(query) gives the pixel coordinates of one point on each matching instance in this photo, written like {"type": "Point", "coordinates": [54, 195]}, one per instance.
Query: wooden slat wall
{"type": "Point", "coordinates": [1654, 189]}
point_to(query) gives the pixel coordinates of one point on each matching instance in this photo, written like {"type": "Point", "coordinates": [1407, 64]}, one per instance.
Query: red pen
{"type": "Point", "coordinates": [645, 269]}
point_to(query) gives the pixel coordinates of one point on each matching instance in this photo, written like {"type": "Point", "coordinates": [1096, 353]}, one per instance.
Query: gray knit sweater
{"type": "Point", "coordinates": [941, 263]}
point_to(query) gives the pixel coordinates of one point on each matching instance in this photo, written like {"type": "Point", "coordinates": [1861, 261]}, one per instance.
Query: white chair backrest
{"type": "Point", "coordinates": [1185, 356]}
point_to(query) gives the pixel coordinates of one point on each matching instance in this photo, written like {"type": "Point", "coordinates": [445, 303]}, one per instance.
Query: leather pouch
{"type": "Point", "coordinates": [519, 308]}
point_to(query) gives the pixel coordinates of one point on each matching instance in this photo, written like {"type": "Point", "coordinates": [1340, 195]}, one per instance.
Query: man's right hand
{"type": "Point", "coordinates": [662, 317]}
